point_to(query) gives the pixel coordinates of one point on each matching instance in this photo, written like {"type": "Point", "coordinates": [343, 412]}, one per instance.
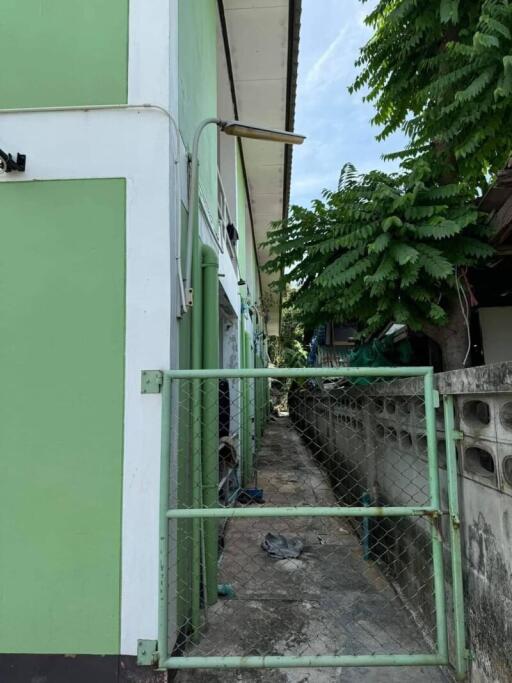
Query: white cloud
{"type": "Point", "coordinates": [335, 65]}
{"type": "Point", "coordinates": [337, 124]}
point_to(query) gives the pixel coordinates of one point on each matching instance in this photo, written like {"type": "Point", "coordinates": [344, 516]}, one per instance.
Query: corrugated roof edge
{"type": "Point", "coordinates": [295, 11]}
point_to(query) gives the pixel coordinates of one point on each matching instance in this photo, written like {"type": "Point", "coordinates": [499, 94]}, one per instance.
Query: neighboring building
{"type": "Point", "coordinates": [331, 345]}
{"type": "Point", "coordinates": [103, 98]}
{"type": "Point", "coordinates": [493, 286]}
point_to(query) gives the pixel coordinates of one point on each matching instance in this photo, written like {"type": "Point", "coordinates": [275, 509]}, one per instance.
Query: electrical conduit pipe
{"type": "Point", "coordinates": [195, 410]}
{"type": "Point", "coordinates": [210, 416]}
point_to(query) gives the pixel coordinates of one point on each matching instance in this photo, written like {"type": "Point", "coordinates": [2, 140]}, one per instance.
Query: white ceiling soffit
{"type": "Point", "coordinates": [258, 40]}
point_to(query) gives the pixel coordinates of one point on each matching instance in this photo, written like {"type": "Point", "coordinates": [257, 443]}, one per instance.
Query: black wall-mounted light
{"type": "Point", "coordinates": [8, 164]}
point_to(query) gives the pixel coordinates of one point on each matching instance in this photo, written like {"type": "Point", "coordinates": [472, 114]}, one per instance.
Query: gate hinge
{"type": "Point", "coordinates": [457, 435]}
{"type": "Point", "coordinates": [147, 652]}
{"type": "Point", "coordinates": [151, 381]}
{"type": "Point", "coordinates": [456, 521]}
{"type": "Point", "coordinates": [437, 402]}
{"type": "Point", "coordinates": [190, 297]}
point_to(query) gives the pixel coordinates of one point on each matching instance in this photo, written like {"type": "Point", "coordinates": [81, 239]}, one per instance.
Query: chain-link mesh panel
{"type": "Point", "coordinates": [311, 584]}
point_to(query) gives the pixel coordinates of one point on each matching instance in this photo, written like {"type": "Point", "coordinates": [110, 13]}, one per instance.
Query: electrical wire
{"type": "Point", "coordinates": [468, 313]}
{"type": "Point", "coordinates": [465, 309]}
{"type": "Point", "coordinates": [125, 107]}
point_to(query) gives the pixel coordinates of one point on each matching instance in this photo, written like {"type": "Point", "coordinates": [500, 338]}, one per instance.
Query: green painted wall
{"type": "Point", "coordinates": [252, 267]}
{"type": "Point", "coordinates": [198, 86]}
{"type": "Point", "coordinates": [63, 52]}
{"type": "Point", "coordinates": [246, 254]}
{"type": "Point", "coordinates": [62, 289]}
{"type": "Point", "coordinates": [241, 203]}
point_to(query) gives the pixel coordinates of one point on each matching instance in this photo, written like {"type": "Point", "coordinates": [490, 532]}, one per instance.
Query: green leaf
{"type": "Point", "coordinates": [403, 254]}
{"type": "Point", "coordinates": [440, 230]}
{"type": "Point", "coordinates": [390, 222]}
{"type": "Point", "coordinates": [449, 11]}
{"type": "Point", "coordinates": [434, 263]}
{"type": "Point", "coordinates": [437, 314]}
{"type": "Point", "coordinates": [410, 274]}
{"type": "Point", "coordinates": [380, 244]}
{"type": "Point", "coordinates": [484, 40]}
{"type": "Point", "coordinates": [385, 270]}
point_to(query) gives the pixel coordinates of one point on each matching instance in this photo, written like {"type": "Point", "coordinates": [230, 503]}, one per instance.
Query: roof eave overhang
{"type": "Point", "coordinates": [262, 46]}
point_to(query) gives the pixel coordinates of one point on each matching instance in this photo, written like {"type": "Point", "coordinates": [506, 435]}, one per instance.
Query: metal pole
{"type": "Point", "coordinates": [365, 540]}
{"type": "Point", "coordinates": [304, 511]}
{"type": "Point", "coordinates": [284, 662]}
{"type": "Point", "coordinates": [196, 436]}
{"type": "Point", "coordinates": [194, 277]}
{"type": "Point", "coordinates": [249, 392]}
{"type": "Point", "coordinates": [165, 448]}
{"type": "Point", "coordinates": [437, 541]}
{"type": "Point", "coordinates": [455, 540]}
{"type": "Point", "coordinates": [193, 202]}
{"type": "Point", "coordinates": [307, 373]}
{"type": "Point", "coordinates": [210, 416]}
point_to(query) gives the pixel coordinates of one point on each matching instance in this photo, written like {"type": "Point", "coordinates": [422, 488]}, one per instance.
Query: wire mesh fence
{"type": "Point", "coordinates": [302, 519]}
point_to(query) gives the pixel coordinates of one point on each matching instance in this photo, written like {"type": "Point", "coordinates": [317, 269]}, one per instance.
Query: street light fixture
{"type": "Point", "coordinates": [237, 129]}
{"type": "Point", "coordinates": [248, 130]}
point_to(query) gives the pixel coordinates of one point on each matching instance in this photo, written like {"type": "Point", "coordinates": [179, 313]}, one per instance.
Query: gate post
{"type": "Point", "coordinates": [455, 541]}
{"type": "Point", "coordinates": [437, 541]}
{"type": "Point", "coordinates": [163, 623]}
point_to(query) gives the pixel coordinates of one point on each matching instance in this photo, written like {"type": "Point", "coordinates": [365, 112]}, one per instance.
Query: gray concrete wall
{"type": "Point", "coordinates": [372, 438]}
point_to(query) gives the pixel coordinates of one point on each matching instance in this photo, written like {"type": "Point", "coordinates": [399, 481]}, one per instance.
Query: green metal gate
{"type": "Point", "coordinates": [376, 444]}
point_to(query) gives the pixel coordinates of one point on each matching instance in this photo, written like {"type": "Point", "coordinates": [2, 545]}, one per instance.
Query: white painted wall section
{"type": "Point", "coordinates": [116, 144]}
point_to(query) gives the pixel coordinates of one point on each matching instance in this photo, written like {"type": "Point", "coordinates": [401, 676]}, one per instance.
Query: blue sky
{"type": "Point", "coordinates": [337, 125]}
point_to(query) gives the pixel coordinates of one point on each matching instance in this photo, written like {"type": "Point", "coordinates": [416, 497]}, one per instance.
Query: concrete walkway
{"type": "Point", "coordinates": [328, 601]}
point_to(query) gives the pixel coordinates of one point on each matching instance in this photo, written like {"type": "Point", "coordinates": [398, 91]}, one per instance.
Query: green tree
{"type": "Point", "coordinates": [287, 350]}
{"type": "Point", "coordinates": [442, 72]}
{"type": "Point", "coordinates": [389, 248]}
{"type": "Point", "coordinates": [382, 248]}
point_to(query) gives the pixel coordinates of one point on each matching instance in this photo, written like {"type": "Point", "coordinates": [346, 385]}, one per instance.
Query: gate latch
{"type": "Point", "coordinates": [147, 652]}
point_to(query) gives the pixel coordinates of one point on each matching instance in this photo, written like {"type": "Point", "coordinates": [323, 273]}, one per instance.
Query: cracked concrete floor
{"type": "Point", "coordinates": [328, 601]}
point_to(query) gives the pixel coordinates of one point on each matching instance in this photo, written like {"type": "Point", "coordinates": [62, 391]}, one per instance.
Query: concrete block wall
{"type": "Point", "coordinates": [372, 438]}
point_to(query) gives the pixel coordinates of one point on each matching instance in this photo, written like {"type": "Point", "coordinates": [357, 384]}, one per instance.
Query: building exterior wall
{"type": "Point", "coordinates": [104, 593]}
{"type": "Point", "coordinates": [105, 195]}
{"type": "Point", "coordinates": [64, 52]}
{"type": "Point", "coordinates": [496, 326]}
{"type": "Point", "coordinates": [62, 341]}
{"type": "Point", "coordinates": [241, 213]}
{"type": "Point", "coordinates": [198, 88]}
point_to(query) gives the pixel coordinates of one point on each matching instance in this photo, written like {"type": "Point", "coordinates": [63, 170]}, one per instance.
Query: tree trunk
{"type": "Point", "coordinates": [452, 337]}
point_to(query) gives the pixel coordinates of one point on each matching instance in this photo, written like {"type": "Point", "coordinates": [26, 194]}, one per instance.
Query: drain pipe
{"type": "Point", "coordinates": [210, 416]}
{"type": "Point", "coordinates": [196, 362]}
{"type": "Point", "coordinates": [366, 501]}
{"type": "Point", "coordinates": [247, 412]}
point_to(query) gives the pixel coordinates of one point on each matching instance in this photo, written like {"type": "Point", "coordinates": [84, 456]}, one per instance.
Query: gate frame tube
{"type": "Point", "coordinates": [163, 559]}
{"type": "Point", "coordinates": [437, 659]}
{"type": "Point", "coordinates": [315, 661]}
{"type": "Point", "coordinates": [435, 502]}
{"type": "Point", "coordinates": [451, 435]}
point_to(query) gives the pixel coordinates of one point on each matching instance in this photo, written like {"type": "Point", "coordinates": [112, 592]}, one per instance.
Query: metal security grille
{"type": "Point", "coordinates": [302, 523]}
